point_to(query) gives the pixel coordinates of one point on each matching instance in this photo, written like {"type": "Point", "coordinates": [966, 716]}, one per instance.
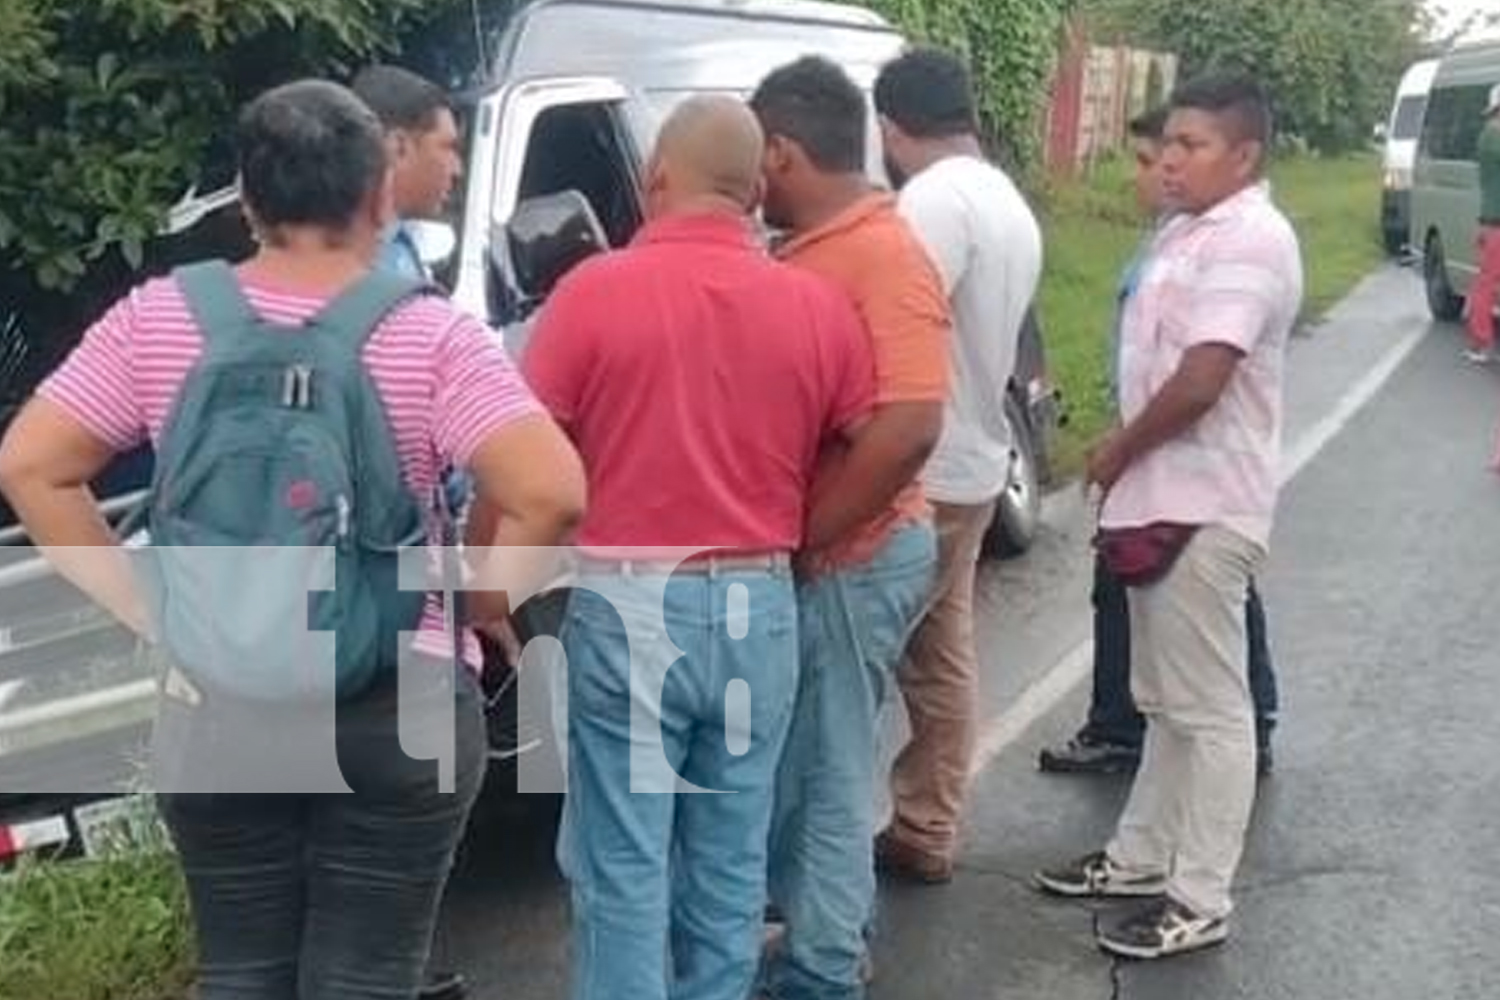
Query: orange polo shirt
{"type": "Point", "coordinates": [871, 253]}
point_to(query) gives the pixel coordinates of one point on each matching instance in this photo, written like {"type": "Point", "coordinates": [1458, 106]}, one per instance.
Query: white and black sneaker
{"type": "Point", "coordinates": [1162, 928]}
{"type": "Point", "coordinates": [1095, 875]}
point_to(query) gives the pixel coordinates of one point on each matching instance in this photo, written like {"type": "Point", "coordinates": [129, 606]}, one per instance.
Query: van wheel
{"type": "Point", "coordinates": [1442, 301]}
{"type": "Point", "coordinates": [1018, 511]}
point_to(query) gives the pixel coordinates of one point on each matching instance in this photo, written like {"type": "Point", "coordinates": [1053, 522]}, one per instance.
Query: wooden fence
{"type": "Point", "coordinates": [1096, 90]}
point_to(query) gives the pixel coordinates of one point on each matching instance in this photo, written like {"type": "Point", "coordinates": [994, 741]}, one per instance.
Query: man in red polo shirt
{"type": "Point", "coordinates": [700, 380]}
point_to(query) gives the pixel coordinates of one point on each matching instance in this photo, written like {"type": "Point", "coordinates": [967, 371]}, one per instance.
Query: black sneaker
{"type": "Point", "coordinates": [1095, 875]}
{"type": "Point", "coordinates": [1082, 755]}
{"type": "Point", "coordinates": [1162, 928]}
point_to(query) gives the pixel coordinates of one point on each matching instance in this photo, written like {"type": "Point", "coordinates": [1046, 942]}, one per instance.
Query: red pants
{"type": "Point", "coordinates": [1483, 292]}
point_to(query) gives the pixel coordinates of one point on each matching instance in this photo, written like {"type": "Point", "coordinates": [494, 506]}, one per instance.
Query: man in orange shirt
{"type": "Point", "coordinates": [870, 549]}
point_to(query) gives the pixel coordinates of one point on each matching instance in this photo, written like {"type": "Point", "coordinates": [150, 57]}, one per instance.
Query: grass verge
{"type": "Point", "coordinates": [1092, 228]}
{"type": "Point", "coordinates": [109, 929]}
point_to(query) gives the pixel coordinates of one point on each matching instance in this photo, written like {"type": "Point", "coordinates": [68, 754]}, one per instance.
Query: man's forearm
{"type": "Point", "coordinates": [885, 457]}
{"type": "Point", "coordinates": [1174, 411]}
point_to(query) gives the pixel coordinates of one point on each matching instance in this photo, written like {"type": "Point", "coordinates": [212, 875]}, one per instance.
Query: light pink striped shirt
{"type": "Point", "coordinates": [446, 382]}
{"type": "Point", "coordinates": [1232, 276]}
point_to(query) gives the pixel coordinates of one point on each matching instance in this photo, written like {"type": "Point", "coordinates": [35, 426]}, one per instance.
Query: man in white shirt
{"type": "Point", "coordinates": [987, 247]}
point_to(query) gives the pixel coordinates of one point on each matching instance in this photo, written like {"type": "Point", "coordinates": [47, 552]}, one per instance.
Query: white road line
{"type": "Point", "coordinates": [1299, 456]}
{"type": "Point", "coordinates": [1036, 701]}
{"type": "Point", "coordinates": [1048, 691]}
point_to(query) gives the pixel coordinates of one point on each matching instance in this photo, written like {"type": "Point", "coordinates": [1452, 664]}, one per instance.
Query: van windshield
{"type": "Point", "coordinates": [1408, 118]}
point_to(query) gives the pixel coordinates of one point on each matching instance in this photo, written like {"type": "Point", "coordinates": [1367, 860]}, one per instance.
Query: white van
{"type": "Point", "coordinates": [1400, 133]}
{"type": "Point", "coordinates": [1445, 183]}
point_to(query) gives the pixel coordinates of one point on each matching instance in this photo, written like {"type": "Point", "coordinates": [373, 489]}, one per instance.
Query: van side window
{"type": "Point", "coordinates": [1408, 117]}
{"type": "Point", "coordinates": [583, 147]}
{"type": "Point", "coordinates": [1455, 116]}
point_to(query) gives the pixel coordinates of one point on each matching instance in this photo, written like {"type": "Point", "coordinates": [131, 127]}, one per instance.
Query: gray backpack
{"type": "Point", "coordinates": [277, 512]}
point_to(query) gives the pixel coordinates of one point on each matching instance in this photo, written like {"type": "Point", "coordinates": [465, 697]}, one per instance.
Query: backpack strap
{"type": "Point", "coordinates": [361, 307]}
{"type": "Point", "coordinates": [351, 319]}
{"type": "Point", "coordinates": [214, 297]}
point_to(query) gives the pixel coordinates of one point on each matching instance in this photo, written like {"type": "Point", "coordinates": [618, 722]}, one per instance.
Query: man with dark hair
{"type": "Point", "coordinates": [422, 142]}
{"type": "Point", "coordinates": [1189, 484]}
{"type": "Point", "coordinates": [814, 119]}
{"type": "Point", "coordinates": [987, 248]}
{"type": "Point", "coordinates": [869, 555]}
{"type": "Point", "coordinates": [1110, 740]}
{"type": "Point", "coordinates": [423, 136]}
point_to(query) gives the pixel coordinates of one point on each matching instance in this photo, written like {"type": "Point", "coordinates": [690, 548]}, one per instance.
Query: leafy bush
{"type": "Point", "coordinates": [111, 929]}
{"type": "Point", "coordinates": [1331, 65]}
{"type": "Point", "coordinates": [106, 106]}
{"type": "Point", "coordinates": [1011, 46]}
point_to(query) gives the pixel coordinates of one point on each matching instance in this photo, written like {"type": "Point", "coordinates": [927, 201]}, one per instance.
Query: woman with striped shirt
{"type": "Point", "coordinates": [295, 894]}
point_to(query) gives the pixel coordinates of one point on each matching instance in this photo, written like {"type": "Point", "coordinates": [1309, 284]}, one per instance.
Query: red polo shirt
{"type": "Point", "coordinates": [699, 379]}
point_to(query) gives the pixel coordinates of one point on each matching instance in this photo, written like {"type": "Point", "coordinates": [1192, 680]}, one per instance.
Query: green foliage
{"type": "Point", "coordinates": [113, 929]}
{"type": "Point", "coordinates": [1011, 46]}
{"type": "Point", "coordinates": [1331, 65]}
{"type": "Point", "coordinates": [107, 107]}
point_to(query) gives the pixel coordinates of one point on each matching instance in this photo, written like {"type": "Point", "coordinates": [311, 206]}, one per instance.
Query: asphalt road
{"type": "Point", "coordinates": [1370, 871]}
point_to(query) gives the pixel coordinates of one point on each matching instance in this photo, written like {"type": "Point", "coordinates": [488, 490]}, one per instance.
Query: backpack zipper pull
{"type": "Point", "coordinates": [296, 387]}
{"type": "Point", "coordinates": [344, 513]}
{"type": "Point", "coordinates": [304, 386]}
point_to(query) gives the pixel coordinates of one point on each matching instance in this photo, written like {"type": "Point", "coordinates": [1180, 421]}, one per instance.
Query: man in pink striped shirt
{"type": "Point", "coordinates": [1202, 349]}
{"type": "Point", "coordinates": [305, 896]}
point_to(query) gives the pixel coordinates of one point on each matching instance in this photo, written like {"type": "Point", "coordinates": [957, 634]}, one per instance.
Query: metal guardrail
{"type": "Point", "coordinates": [77, 717]}
{"type": "Point", "coordinates": [70, 716]}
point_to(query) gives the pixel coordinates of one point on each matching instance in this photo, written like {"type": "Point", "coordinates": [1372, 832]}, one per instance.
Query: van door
{"type": "Point", "coordinates": [1445, 191]}
{"type": "Point", "coordinates": [537, 138]}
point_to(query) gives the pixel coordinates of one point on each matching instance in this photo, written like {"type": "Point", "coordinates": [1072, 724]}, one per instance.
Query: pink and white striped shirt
{"type": "Point", "coordinates": [1232, 275]}
{"type": "Point", "coordinates": [446, 382]}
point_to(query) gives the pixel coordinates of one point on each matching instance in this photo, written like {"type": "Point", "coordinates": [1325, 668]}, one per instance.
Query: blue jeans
{"type": "Point", "coordinates": [1112, 713]}
{"type": "Point", "coordinates": [855, 625]}
{"type": "Point", "coordinates": [669, 886]}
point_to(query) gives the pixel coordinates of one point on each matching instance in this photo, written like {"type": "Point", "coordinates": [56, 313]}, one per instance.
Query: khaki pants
{"type": "Point", "coordinates": [1194, 790]}
{"type": "Point", "coordinates": [939, 681]}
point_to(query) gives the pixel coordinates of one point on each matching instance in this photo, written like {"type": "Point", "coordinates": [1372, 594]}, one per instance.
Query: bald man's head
{"type": "Point", "coordinates": [710, 147]}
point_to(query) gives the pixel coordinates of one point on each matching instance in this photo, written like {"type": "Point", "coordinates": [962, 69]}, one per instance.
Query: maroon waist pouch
{"type": "Point", "coordinates": [1141, 556]}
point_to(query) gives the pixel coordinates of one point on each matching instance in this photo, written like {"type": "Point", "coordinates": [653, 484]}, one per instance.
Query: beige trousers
{"type": "Point", "coordinates": [1193, 793]}
{"type": "Point", "coordinates": [939, 681]}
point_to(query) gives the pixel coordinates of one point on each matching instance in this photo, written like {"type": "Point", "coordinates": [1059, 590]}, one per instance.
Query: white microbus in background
{"type": "Point", "coordinates": [1398, 158]}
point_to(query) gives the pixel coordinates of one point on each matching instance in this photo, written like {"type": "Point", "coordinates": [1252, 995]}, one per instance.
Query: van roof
{"type": "Point", "coordinates": [1418, 77]}
{"type": "Point", "coordinates": [468, 51]}
{"type": "Point", "coordinates": [813, 11]}
{"type": "Point", "coordinates": [1473, 62]}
